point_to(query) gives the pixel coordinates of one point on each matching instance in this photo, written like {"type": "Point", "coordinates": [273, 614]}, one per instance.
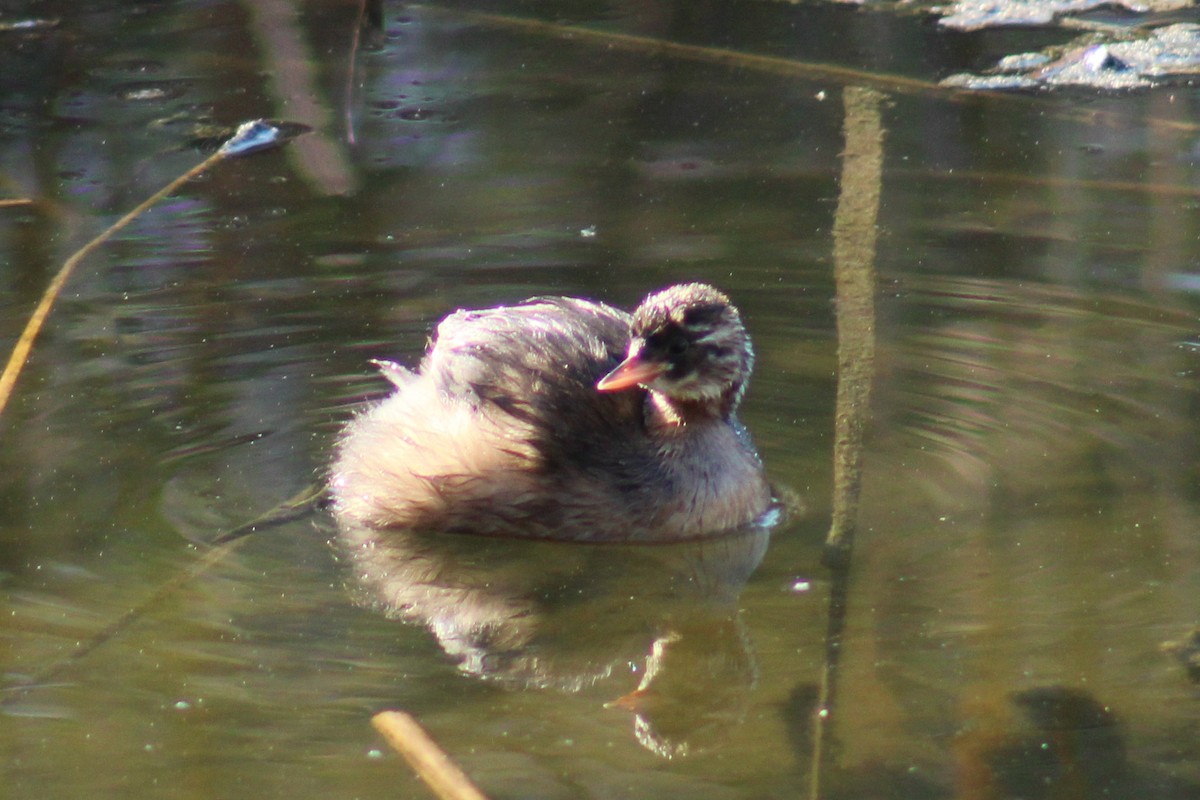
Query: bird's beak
{"type": "Point", "coordinates": [635, 701]}
{"type": "Point", "coordinates": [633, 371]}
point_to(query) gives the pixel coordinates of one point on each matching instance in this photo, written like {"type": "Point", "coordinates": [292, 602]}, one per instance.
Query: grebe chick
{"type": "Point", "coordinates": [562, 418]}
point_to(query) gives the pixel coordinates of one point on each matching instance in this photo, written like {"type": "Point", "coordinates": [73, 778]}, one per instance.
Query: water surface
{"type": "Point", "coordinates": [1029, 509]}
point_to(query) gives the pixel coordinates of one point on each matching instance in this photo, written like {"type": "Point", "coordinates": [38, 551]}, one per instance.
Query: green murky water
{"type": "Point", "coordinates": [1030, 505]}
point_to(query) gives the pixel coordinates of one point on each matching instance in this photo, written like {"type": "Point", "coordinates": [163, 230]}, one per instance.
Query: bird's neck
{"type": "Point", "coordinates": [672, 415]}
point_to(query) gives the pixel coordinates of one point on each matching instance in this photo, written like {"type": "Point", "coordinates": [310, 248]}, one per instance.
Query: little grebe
{"type": "Point", "coordinates": [562, 418]}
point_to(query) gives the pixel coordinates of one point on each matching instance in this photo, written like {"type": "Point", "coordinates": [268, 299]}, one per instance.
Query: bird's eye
{"type": "Point", "coordinates": [678, 345]}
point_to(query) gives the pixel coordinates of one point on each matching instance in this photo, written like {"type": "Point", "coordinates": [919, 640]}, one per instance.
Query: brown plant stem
{"type": "Point", "coordinates": [440, 773]}
{"type": "Point", "coordinates": [20, 352]}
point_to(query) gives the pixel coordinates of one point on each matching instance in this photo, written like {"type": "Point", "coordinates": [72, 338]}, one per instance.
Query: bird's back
{"type": "Point", "coordinates": [501, 430]}
{"type": "Point", "coordinates": [538, 363]}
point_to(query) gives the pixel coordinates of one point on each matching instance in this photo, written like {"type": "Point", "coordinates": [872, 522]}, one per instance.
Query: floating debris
{"type": "Point", "coordinates": [1167, 52]}
{"type": "Point", "coordinates": [261, 134]}
{"type": "Point", "coordinates": [250, 137]}
{"type": "Point", "coordinates": [152, 92]}
{"type": "Point", "coordinates": [974, 15]}
{"type": "Point", "coordinates": [25, 25]}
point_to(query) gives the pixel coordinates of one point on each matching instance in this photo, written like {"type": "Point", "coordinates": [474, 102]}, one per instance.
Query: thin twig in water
{"type": "Point", "coordinates": [370, 17]}
{"type": "Point", "coordinates": [250, 137]}
{"type": "Point", "coordinates": [431, 763]}
{"type": "Point", "coordinates": [289, 510]}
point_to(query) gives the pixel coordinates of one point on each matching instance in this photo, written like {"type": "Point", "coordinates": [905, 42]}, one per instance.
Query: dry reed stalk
{"type": "Point", "coordinates": [438, 770]}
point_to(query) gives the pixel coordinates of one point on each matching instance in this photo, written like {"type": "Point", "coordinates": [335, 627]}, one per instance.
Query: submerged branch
{"type": "Point", "coordinates": [711, 55]}
{"type": "Point", "coordinates": [83, 648]}
{"type": "Point", "coordinates": [807, 70]}
{"type": "Point", "coordinates": [221, 546]}
{"type": "Point", "coordinates": [294, 508]}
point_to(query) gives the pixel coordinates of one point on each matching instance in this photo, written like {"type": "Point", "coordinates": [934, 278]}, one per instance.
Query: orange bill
{"type": "Point", "coordinates": [633, 371]}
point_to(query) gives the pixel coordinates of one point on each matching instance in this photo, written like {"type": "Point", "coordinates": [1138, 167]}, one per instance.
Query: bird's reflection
{"type": "Point", "coordinates": [567, 616]}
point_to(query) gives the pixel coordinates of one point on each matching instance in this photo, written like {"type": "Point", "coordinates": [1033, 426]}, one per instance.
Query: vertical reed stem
{"type": "Point", "coordinates": [854, 239]}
